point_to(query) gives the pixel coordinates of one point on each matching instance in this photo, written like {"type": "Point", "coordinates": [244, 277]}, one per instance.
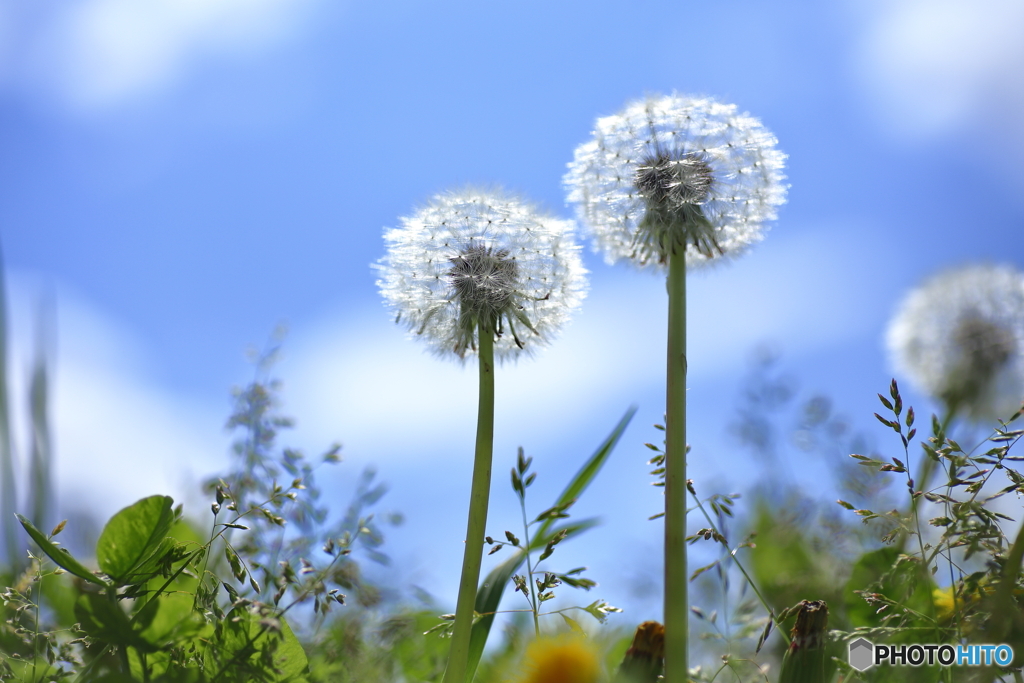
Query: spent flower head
{"type": "Point", "coordinates": [960, 337]}
{"type": "Point", "coordinates": [473, 258]}
{"type": "Point", "coordinates": [677, 171]}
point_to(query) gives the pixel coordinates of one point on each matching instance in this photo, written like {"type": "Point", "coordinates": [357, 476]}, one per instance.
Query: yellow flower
{"type": "Point", "coordinates": [564, 659]}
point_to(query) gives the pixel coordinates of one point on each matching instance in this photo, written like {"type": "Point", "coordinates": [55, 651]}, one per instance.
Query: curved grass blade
{"type": "Point", "coordinates": [579, 483]}
{"type": "Point", "coordinates": [8, 490]}
{"type": "Point", "coordinates": [59, 556]}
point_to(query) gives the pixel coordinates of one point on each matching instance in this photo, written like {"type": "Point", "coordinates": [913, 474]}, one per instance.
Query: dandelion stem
{"type": "Point", "coordinates": [676, 609]}
{"type": "Point", "coordinates": [458, 656]}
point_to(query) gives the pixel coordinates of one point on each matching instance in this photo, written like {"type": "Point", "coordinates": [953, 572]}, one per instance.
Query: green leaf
{"type": "Point", "coordinates": [58, 555]}
{"type": "Point", "coordinates": [104, 620]}
{"type": "Point", "coordinates": [169, 619]}
{"type": "Point", "coordinates": [888, 572]}
{"type": "Point", "coordinates": [132, 535]}
{"type": "Point", "coordinates": [573, 625]}
{"type": "Point", "coordinates": [245, 644]}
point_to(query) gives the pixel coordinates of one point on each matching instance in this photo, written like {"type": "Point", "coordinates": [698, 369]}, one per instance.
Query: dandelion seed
{"type": "Point", "coordinates": [677, 171]}
{"type": "Point", "coordinates": [960, 337]}
{"type": "Point", "coordinates": [472, 257]}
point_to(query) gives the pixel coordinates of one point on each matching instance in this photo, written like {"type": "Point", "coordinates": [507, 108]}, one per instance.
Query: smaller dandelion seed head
{"type": "Point", "coordinates": [960, 337]}
{"type": "Point", "coordinates": [676, 172]}
{"type": "Point", "coordinates": [477, 258]}
{"type": "Point", "coordinates": [986, 346]}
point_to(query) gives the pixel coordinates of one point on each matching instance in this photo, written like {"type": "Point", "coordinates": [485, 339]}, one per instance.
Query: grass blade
{"type": "Point", "coordinates": [60, 556]}
{"type": "Point", "coordinates": [40, 487]}
{"type": "Point", "coordinates": [591, 467]}
{"type": "Point", "coordinates": [8, 489]}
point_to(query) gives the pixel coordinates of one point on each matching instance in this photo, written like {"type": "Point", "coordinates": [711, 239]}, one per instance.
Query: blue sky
{"type": "Point", "coordinates": [180, 177]}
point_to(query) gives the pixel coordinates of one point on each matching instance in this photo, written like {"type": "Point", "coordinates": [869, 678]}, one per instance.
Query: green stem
{"type": "Point", "coordinates": [924, 472]}
{"type": "Point", "coordinates": [676, 577]}
{"type": "Point", "coordinates": [122, 650]}
{"type": "Point", "coordinates": [8, 487]}
{"type": "Point", "coordinates": [736, 560]}
{"type": "Point", "coordinates": [529, 569]}
{"type": "Point", "coordinates": [458, 656]}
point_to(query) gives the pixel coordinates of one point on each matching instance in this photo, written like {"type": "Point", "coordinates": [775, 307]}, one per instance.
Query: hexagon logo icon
{"type": "Point", "coordinates": [862, 654]}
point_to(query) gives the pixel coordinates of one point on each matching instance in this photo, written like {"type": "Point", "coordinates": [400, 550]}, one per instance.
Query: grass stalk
{"type": "Point", "coordinates": [529, 568]}
{"type": "Point", "coordinates": [40, 455]}
{"type": "Point", "coordinates": [676, 607]}
{"type": "Point", "coordinates": [458, 655]}
{"type": "Point", "coordinates": [8, 488]}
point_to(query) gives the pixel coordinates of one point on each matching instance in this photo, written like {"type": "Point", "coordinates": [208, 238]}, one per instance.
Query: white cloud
{"type": "Point", "coordinates": [117, 435]}
{"type": "Point", "coordinates": [96, 53]}
{"type": "Point", "coordinates": [932, 66]}
{"type": "Point", "coordinates": [120, 435]}
{"type": "Point", "coordinates": [359, 377]}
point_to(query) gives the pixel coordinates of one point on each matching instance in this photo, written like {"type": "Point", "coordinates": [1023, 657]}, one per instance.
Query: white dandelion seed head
{"type": "Point", "coordinates": [472, 256]}
{"type": "Point", "coordinates": [960, 338]}
{"type": "Point", "coordinates": [676, 170]}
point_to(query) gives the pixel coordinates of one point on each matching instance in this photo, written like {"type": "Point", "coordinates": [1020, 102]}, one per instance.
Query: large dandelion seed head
{"type": "Point", "coordinates": [470, 258]}
{"type": "Point", "coordinates": [960, 337]}
{"type": "Point", "coordinates": [677, 172]}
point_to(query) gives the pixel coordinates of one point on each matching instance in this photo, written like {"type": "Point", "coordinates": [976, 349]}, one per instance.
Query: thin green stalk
{"type": "Point", "coordinates": [676, 607]}
{"type": "Point", "coordinates": [529, 568]}
{"type": "Point", "coordinates": [924, 472]}
{"type": "Point", "coordinates": [8, 489]}
{"type": "Point", "coordinates": [38, 589]}
{"type": "Point", "coordinates": [40, 476]}
{"type": "Point", "coordinates": [122, 650]}
{"type": "Point", "coordinates": [458, 656]}
{"type": "Point", "coordinates": [736, 560]}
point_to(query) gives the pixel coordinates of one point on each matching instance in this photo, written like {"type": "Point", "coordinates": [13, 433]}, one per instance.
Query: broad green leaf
{"type": "Point", "coordinates": [58, 555]}
{"type": "Point", "coordinates": [241, 640]}
{"type": "Point", "coordinates": [489, 594]}
{"type": "Point", "coordinates": [289, 658]}
{"type": "Point", "coordinates": [132, 535]}
{"type": "Point", "coordinates": [168, 619]}
{"type": "Point", "coordinates": [888, 572]}
{"type": "Point", "coordinates": [104, 620]}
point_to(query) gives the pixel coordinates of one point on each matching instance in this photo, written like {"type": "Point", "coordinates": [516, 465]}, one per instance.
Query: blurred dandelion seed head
{"type": "Point", "coordinates": [677, 172]}
{"type": "Point", "coordinates": [960, 337]}
{"type": "Point", "coordinates": [475, 257]}
{"type": "Point", "coordinates": [563, 659]}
